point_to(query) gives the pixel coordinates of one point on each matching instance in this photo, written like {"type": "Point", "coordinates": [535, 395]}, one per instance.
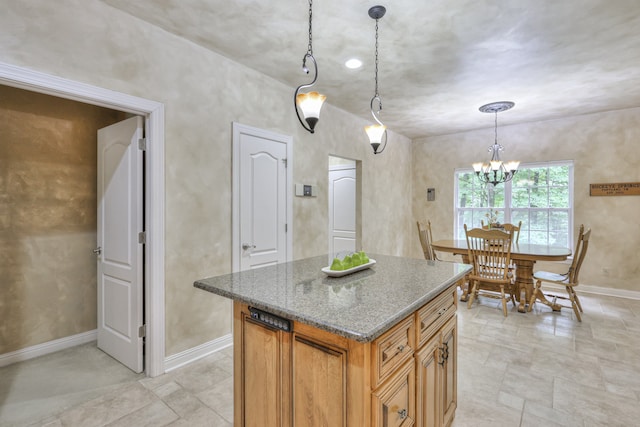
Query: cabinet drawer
{"type": "Point", "coordinates": [433, 315]}
{"type": "Point", "coordinates": [392, 349]}
{"type": "Point", "coordinates": [393, 404]}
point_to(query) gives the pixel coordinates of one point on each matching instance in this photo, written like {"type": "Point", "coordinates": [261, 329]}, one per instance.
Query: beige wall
{"type": "Point", "coordinates": [604, 148]}
{"type": "Point", "coordinates": [203, 93]}
{"type": "Point", "coordinates": [47, 216]}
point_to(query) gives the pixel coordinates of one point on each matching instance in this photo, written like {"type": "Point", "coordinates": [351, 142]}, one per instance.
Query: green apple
{"type": "Point", "coordinates": [337, 265]}
{"type": "Point", "coordinates": [356, 259]}
{"type": "Point", "coordinates": [347, 262]}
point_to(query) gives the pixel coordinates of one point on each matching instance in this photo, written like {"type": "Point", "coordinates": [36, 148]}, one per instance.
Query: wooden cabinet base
{"type": "Point", "coordinates": [309, 377]}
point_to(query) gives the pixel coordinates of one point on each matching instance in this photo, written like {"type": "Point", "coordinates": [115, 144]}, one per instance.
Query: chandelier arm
{"type": "Point", "coordinates": [305, 85]}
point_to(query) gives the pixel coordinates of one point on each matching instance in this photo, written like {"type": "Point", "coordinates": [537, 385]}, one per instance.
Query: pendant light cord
{"type": "Point", "coordinates": [376, 72]}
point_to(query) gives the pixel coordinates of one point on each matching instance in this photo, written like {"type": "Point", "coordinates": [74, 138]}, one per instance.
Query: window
{"type": "Point", "coordinates": [540, 195]}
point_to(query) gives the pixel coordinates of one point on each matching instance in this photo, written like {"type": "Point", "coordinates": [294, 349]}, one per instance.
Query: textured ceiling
{"type": "Point", "coordinates": [439, 59]}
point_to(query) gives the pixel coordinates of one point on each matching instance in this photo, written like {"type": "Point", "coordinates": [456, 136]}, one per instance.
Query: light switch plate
{"type": "Point", "coordinates": [306, 190]}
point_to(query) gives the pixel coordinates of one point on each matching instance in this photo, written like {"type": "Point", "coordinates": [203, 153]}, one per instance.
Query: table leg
{"type": "Point", "coordinates": [465, 288]}
{"type": "Point", "coordinates": [524, 282]}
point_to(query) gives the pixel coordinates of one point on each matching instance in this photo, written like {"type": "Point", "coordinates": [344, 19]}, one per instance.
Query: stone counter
{"type": "Point", "coordinates": [360, 306]}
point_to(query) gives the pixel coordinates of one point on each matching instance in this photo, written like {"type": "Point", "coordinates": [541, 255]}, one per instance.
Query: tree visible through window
{"type": "Point", "coordinates": [540, 195]}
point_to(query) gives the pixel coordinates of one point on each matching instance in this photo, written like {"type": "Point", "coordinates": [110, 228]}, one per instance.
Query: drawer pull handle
{"type": "Point", "coordinates": [439, 314]}
{"type": "Point", "coordinates": [402, 413]}
{"type": "Point", "coordinates": [399, 349]}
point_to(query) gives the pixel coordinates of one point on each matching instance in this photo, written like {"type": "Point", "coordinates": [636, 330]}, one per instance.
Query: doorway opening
{"type": "Point", "coordinates": [153, 113]}
{"type": "Point", "coordinates": [345, 228]}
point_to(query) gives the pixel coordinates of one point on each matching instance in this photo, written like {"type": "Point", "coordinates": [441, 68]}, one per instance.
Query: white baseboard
{"type": "Point", "coordinates": [597, 290]}
{"type": "Point", "coordinates": [47, 347]}
{"type": "Point", "coordinates": [191, 355]}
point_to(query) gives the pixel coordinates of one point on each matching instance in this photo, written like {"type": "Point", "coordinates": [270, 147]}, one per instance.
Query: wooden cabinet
{"type": "Point", "coordinates": [436, 381]}
{"type": "Point", "coordinates": [309, 377]}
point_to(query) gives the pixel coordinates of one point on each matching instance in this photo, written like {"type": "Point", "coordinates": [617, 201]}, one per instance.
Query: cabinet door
{"type": "Point", "coordinates": [450, 370]}
{"type": "Point", "coordinates": [319, 384]}
{"type": "Point", "coordinates": [264, 385]}
{"type": "Point", "coordinates": [393, 403]}
{"type": "Point", "coordinates": [429, 384]}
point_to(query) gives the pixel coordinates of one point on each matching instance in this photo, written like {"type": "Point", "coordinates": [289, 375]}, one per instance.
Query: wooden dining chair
{"type": "Point", "coordinates": [490, 255]}
{"type": "Point", "coordinates": [515, 229]}
{"type": "Point", "coordinates": [426, 238]}
{"type": "Point", "coordinates": [569, 280]}
{"type": "Point", "coordinates": [507, 227]}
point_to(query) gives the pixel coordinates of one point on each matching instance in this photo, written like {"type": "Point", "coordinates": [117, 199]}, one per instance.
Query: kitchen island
{"type": "Point", "coordinates": [376, 347]}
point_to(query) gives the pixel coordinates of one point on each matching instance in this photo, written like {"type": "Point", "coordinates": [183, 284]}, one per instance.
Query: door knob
{"type": "Point", "coordinates": [246, 246]}
{"type": "Point", "coordinates": [97, 250]}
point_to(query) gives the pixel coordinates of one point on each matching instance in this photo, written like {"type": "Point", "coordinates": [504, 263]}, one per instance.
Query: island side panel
{"type": "Point", "coordinates": [323, 378]}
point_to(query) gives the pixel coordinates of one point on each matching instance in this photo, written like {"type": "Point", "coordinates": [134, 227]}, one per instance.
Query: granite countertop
{"type": "Point", "coordinates": [360, 306]}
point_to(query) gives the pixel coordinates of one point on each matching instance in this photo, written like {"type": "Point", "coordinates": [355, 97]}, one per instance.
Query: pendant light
{"type": "Point", "coordinates": [309, 103]}
{"type": "Point", "coordinates": [377, 133]}
{"type": "Point", "coordinates": [496, 172]}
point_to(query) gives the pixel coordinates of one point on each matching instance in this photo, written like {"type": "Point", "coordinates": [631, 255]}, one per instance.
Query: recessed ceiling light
{"type": "Point", "coordinates": [353, 63]}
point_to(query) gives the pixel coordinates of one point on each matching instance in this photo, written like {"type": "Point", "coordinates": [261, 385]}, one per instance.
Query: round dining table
{"type": "Point", "coordinates": [523, 255]}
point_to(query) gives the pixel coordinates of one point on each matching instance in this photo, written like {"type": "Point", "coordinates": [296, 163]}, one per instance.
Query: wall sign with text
{"type": "Point", "coordinates": [615, 189]}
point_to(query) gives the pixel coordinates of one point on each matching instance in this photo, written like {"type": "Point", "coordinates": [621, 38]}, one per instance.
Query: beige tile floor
{"type": "Point", "coordinates": [534, 369]}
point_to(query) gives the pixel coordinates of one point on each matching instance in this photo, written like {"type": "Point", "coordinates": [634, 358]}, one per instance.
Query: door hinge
{"type": "Point", "coordinates": [142, 237]}
{"type": "Point", "coordinates": [286, 228]}
{"type": "Point", "coordinates": [142, 331]}
{"type": "Point", "coordinates": [285, 162]}
{"type": "Point", "coordinates": [142, 144]}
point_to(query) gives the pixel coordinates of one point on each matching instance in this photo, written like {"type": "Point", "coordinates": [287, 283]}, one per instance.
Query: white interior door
{"type": "Point", "coordinates": [261, 184]}
{"type": "Point", "coordinates": [120, 257]}
{"type": "Point", "coordinates": [342, 210]}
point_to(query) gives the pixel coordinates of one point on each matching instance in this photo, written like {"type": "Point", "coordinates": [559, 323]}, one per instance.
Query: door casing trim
{"type": "Point", "coordinates": [153, 112]}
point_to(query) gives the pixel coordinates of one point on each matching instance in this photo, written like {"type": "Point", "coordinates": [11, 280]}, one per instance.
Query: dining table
{"type": "Point", "coordinates": [523, 255]}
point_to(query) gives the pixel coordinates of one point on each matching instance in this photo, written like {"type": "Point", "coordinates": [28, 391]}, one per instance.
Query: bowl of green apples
{"type": "Point", "coordinates": [350, 263]}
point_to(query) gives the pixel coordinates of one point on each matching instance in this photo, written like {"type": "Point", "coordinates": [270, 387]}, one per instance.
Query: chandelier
{"type": "Point", "coordinates": [496, 171]}
{"type": "Point", "coordinates": [377, 132]}
{"type": "Point", "coordinates": [310, 103]}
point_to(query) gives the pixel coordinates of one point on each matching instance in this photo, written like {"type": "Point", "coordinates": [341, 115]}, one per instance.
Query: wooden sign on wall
{"type": "Point", "coordinates": [615, 189]}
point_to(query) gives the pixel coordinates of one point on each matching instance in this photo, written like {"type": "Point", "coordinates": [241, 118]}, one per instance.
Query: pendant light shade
{"type": "Point", "coordinates": [376, 133]}
{"type": "Point", "coordinates": [310, 105]}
